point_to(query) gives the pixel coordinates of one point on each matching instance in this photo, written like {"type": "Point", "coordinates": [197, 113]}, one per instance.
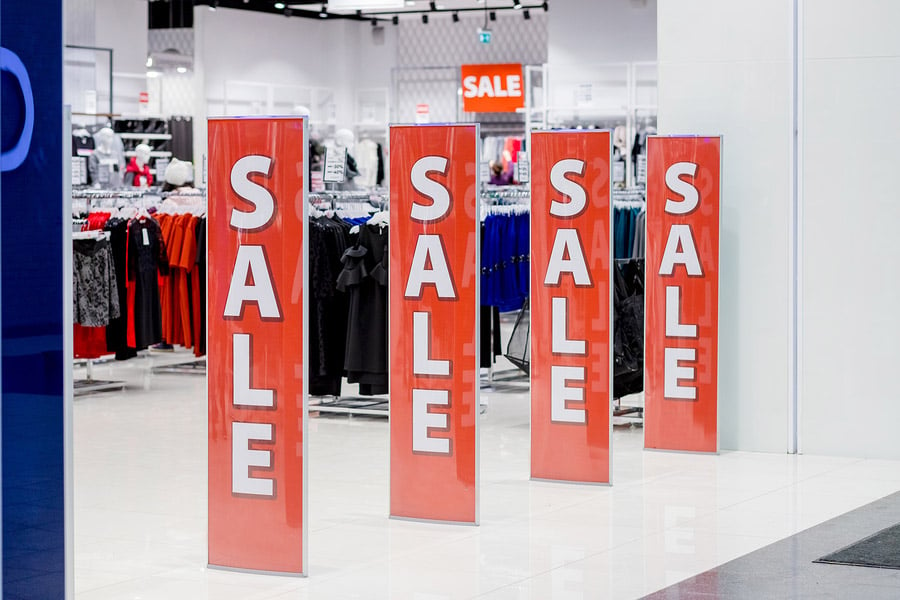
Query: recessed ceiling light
{"type": "Point", "coordinates": [181, 69]}
{"type": "Point", "coordinates": [410, 2]}
{"type": "Point", "coordinates": [279, 5]}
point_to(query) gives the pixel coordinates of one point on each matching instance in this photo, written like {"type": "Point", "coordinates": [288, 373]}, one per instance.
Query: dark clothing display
{"type": "Point", "coordinates": [95, 297]}
{"type": "Point", "coordinates": [328, 306]}
{"type": "Point", "coordinates": [505, 263]}
{"type": "Point", "coordinates": [182, 132]}
{"type": "Point", "coordinates": [116, 331]}
{"type": "Point", "coordinates": [365, 278]}
{"type": "Point", "coordinates": [628, 329]}
{"type": "Point", "coordinates": [147, 259]}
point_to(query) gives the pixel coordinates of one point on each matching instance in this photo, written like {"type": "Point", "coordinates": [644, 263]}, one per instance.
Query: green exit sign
{"type": "Point", "coordinates": [484, 35]}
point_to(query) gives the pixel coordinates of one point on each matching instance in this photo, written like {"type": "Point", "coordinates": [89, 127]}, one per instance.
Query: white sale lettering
{"type": "Point", "coordinates": [567, 257]}
{"type": "Point", "coordinates": [680, 250]}
{"type": "Point", "coordinates": [251, 283]}
{"type": "Point", "coordinates": [429, 266]}
{"type": "Point", "coordinates": [496, 86]}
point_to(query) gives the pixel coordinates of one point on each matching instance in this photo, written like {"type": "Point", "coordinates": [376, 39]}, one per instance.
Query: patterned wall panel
{"type": "Point", "coordinates": [443, 43]}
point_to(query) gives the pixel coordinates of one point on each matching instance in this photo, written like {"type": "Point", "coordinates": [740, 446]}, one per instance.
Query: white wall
{"type": "Point", "coordinates": [602, 31]}
{"type": "Point", "coordinates": [122, 26]}
{"type": "Point", "coordinates": [725, 68]}
{"type": "Point", "coordinates": [851, 211]}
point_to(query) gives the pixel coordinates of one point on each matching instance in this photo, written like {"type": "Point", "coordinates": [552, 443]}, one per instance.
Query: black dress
{"type": "Point", "coordinates": [365, 278]}
{"type": "Point", "coordinates": [116, 331]}
{"type": "Point", "coordinates": [147, 260]}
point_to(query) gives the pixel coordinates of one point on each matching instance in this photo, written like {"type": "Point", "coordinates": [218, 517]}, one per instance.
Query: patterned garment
{"type": "Point", "coordinates": [96, 296]}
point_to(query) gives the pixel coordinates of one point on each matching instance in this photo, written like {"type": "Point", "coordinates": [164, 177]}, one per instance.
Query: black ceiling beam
{"type": "Point", "coordinates": [269, 8]}
{"type": "Point", "coordinates": [450, 10]}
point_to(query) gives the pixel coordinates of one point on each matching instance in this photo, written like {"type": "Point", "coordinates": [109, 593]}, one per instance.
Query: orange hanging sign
{"type": "Point", "coordinates": [257, 308]}
{"type": "Point", "coordinates": [493, 88]}
{"type": "Point", "coordinates": [434, 322]}
{"type": "Point", "coordinates": [571, 322]}
{"type": "Point", "coordinates": [682, 294]}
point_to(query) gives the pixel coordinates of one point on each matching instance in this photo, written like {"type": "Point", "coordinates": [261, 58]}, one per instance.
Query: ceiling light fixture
{"type": "Point", "coordinates": [181, 69]}
{"type": "Point", "coordinates": [527, 14]}
{"type": "Point", "coordinates": [323, 12]}
{"type": "Point", "coordinates": [456, 17]}
{"type": "Point", "coordinates": [425, 19]}
{"type": "Point", "coordinates": [432, 5]}
{"type": "Point", "coordinates": [546, 6]}
{"type": "Point", "coordinates": [493, 15]}
{"type": "Point", "coordinates": [279, 5]}
{"type": "Point", "coordinates": [395, 20]}
{"type": "Point", "coordinates": [517, 5]}
{"type": "Point", "coordinates": [410, 2]}
{"type": "Point", "coordinates": [213, 5]}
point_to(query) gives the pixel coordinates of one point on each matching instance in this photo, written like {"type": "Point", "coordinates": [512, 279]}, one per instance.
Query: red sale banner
{"type": "Point", "coordinates": [257, 308]}
{"type": "Point", "coordinates": [434, 322]}
{"type": "Point", "coordinates": [571, 301]}
{"type": "Point", "coordinates": [492, 88]}
{"type": "Point", "coordinates": [682, 294]}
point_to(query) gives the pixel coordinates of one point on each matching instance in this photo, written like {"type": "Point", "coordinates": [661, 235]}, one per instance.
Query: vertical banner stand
{"type": "Point", "coordinates": [434, 306]}
{"type": "Point", "coordinates": [258, 257]}
{"type": "Point", "coordinates": [571, 306]}
{"type": "Point", "coordinates": [682, 290]}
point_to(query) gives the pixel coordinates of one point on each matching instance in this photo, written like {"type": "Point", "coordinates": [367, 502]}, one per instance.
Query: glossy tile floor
{"type": "Point", "coordinates": [140, 509]}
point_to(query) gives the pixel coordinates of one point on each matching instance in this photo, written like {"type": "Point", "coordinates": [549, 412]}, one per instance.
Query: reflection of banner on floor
{"type": "Point", "coordinates": [682, 291]}
{"type": "Point", "coordinates": [434, 321]}
{"type": "Point", "coordinates": [571, 256]}
{"type": "Point", "coordinates": [257, 315]}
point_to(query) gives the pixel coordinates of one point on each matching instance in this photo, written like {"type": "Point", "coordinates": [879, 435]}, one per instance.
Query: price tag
{"type": "Point", "coordinates": [485, 172]}
{"type": "Point", "coordinates": [523, 168]}
{"type": "Point", "coordinates": [335, 165]}
{"type": "Point", "coordinates": [619, 171]}
{"type": "Point", "coordinates": [146, 237]}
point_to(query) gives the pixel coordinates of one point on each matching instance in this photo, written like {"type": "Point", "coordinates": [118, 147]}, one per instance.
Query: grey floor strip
{"type": "Point", "coordinates": [785, 569]}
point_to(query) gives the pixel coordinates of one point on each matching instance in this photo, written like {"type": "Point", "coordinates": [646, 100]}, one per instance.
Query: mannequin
{"type": "Point", "coordinates": [138, 171]}
{"type": "Point", "coordinates": [106, 165]}
{"type": "Point", "coordinates": [344, 140]}
{"type": "Point", "coordinates": [177, 174]}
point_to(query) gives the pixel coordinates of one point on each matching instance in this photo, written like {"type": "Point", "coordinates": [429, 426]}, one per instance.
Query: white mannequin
{"type": "Point", "coordinates": [105, 165]}
{"type": "Point", "coordinates": [142, 154]}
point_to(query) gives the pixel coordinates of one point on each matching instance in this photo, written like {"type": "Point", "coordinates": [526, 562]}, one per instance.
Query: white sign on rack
{"type": "Point", "coordinates": [641, 176]}
{"type": "Point", "coordinates": [523, 168]}
{"type": "Point", "coordinates": [79, 170]}
{"type": "Point", "coordinates": [335, 165]}
{"type": "Point", "coordinates": [619, 171]}
{"type": "Point", "coordinates": [485, 172]}
{"type": "Point", "coordinates": [161, 165]}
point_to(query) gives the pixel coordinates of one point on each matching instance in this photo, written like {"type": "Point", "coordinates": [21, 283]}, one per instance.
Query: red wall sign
{"type": "Point", "coordinates": [433, 322]}
{"type": "Point", "coordinates": [571, 254]}
{"type": "Point", "coordinates": [257, 399]}
{"type": "Point", "coordinates": [682, 294]}
{"type": "Point", "coordinates": [493, 88]}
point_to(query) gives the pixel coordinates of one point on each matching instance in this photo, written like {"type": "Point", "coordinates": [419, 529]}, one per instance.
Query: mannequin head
{"type": "Point", "coordinates": [177, 173]}
{"type": "Point", "coordinates": [142, 154]}
{"type": "Point", "coordinates": [344, 138]}
{"type": "Point", "coordinates": [105, 139]}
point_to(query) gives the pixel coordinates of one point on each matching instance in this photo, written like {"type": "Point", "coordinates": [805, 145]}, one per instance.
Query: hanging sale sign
{"type": "Point", "coordinates": [257, 331]}
{"type": "Point", "coordinates": [434, 322]}
{"type": "Point", "coordinates": [571, 300]}
{"type": "Point", "coordinates": [682, 294]}
{"type": "Point", "coordinates": [492, 88]}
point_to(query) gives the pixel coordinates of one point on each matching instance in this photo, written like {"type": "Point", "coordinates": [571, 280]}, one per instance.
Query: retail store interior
{"type": "Point", "coordinates": [806, 417]}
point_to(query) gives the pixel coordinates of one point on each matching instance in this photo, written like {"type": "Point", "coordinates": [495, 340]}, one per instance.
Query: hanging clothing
{"type": "Point", "coordinates": [365, 278]}
{"type": "Point", "coordinates": [328, 306]}
{"type": "Point", "coordinates": [116, 331]}
{"type": "Point", "coordinates": [147, 260]}
{"type": "Point", "coordinates": [628, 327]}
{"type": "Point", "coordinates": [95, 297]}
